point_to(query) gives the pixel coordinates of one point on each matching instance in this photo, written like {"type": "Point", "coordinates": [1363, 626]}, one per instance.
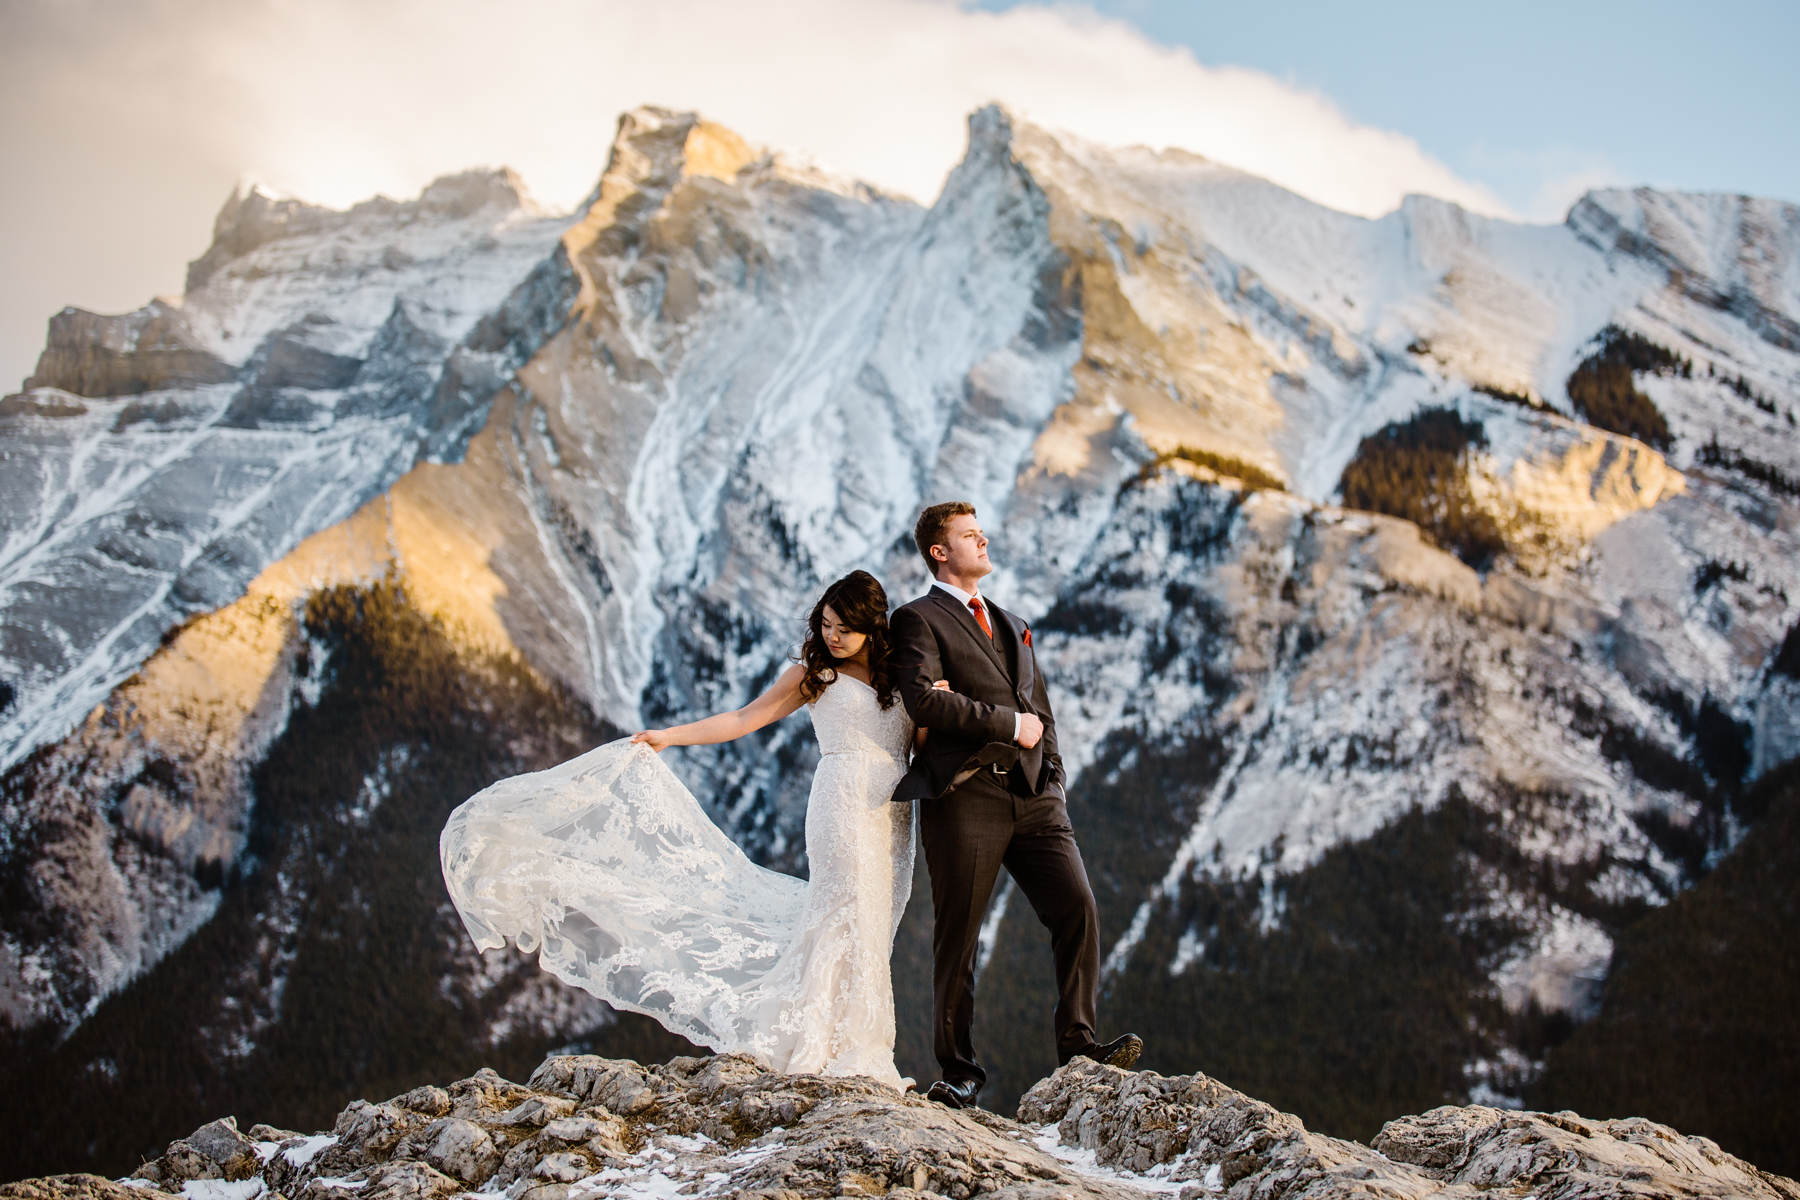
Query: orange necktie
{"type": "Point", "coordinates": [981, 616]}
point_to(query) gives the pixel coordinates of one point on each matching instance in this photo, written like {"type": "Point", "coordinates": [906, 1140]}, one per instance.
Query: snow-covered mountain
{"type": "Point", "coordinates": [159, 460]}
{"type": "Point", "coordinates": [627, 447]}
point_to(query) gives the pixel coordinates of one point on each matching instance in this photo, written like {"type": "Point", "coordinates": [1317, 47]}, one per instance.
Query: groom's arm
{"type": "Point", "coordinates": [1040, 700]}
{"type": "Point", "coordinates": [917, 664]}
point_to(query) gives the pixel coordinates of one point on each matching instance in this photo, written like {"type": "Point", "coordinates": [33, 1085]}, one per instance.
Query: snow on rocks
{"type": "Point", "coordinates": [725, 1126]}
{"type": "Point", "coordinates": [1191, 1127]}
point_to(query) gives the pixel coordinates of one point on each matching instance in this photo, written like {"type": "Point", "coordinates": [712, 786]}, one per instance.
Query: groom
{"type": "Point", "coordinates": [990, 788]}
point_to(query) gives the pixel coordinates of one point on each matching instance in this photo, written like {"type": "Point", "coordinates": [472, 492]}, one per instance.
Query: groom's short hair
{"type": "Point", "coordinates": [929, 531]}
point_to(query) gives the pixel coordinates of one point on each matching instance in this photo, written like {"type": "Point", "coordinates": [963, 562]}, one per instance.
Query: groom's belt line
{"type": "Point", "coordinates": [968, 773]}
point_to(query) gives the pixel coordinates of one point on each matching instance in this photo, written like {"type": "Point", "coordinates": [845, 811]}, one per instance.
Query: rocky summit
{"type": "Point", "coordinates": [585, 1126]}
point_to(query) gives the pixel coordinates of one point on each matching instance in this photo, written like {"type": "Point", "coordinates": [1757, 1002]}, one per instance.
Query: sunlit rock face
{"type": "Point", "coordinates": [629, 446]}
{"type": "Point", "coordinates": [158, 461]}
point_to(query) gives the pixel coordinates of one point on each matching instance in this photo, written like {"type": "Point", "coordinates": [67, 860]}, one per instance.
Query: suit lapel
{"type": "Point", "coordinates": [1006, 636]}
{"type": "Point", "coordinates": [972, 628]}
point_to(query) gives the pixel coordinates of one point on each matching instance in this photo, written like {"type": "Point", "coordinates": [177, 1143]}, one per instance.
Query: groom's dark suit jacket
{"type": "Point", "coordinates": [971, 725]}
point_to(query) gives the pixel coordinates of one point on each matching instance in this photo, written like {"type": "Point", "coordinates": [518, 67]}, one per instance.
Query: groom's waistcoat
{"type": "Point", "coordinates": [991, 680]}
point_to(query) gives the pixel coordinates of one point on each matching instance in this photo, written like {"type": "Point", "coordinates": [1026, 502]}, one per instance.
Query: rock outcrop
{"type": "Point", "coordinates": [586, 1126]}
{"type": "Point", "coordinates": [150, 350]}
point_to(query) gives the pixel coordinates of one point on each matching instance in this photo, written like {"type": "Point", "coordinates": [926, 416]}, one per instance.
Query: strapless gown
{"type": "Point", "coordinates": [608, 868]}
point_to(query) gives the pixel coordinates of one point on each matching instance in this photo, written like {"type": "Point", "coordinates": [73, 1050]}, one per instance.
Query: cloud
{"type": "Point", "coordinates": [1543, 183]}
{"type": "Point", "coordinates": [1555, 195]}
{"type": "Point", "coordinates": [131, 121]}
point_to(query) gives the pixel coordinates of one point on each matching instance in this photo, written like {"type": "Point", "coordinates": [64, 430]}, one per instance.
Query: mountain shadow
{"type": "Point", "coordinates": [1696, 1026]}
{"type": "Point", "coordinates": [334, 967]}
{"type": "Point", "coordinates": [1345, 993]}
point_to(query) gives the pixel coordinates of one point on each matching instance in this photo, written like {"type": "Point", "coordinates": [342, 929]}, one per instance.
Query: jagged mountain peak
{"type": "Point", "coordinates": [653, 151]}
{"type": "Point", "coordinates": [996, 126]}
{"type": "Point", "coordinates": [479, 189]}
{"type": "Point", "coordinates": [1721, 237]}
{"type": "Point", "coordinates": [1420, 208]}
{"type": "Point", "coordinates": [1737, 255]}
{"type": "Point", "coordinates": [254, 216]}
{"type": "Point", "coordinates": [654, 147]}
{"type": "Point", "coordinates": [703, 147]}
{"type": "Point", "coordinates": [992, 127]}
{"type": "Point", "coordinates": [1645, 203]}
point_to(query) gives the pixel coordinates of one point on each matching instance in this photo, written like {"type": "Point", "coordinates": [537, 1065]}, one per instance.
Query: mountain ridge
{"type": "Point", "coordinates": [641, 437]}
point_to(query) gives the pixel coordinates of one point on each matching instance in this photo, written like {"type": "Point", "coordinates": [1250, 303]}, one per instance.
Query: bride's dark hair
{"type": "Point", "coordinates": [860, 603]}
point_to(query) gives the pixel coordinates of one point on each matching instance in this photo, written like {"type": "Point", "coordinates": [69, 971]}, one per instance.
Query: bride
{"type": "Point", "coordinates": [608, 868]}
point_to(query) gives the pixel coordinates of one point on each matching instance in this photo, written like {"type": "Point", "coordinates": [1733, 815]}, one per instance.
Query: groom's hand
{"type": "Point", "coordinates": [1031, 730]}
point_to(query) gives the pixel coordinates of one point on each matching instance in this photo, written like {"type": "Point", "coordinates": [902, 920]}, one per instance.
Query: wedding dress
{"type": "Point", "coordinates": [609, 869]}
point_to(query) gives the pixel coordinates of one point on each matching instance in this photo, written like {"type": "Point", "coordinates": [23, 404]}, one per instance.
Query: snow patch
{"type": "Point", "coordinates": [308, 1148]}
{"type": "Point", "coordinates": [1559, 966]}
{"type": "Point", "coordinates": [223, 1189]}
{"type": "Point", "coordinates": [1190, 949]}
{"type": "Point", "coordinates": [1086, 1162]}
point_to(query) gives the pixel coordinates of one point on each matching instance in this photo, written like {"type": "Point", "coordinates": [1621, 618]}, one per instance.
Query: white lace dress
{"type": "Point", "coordinates": [608, 868]}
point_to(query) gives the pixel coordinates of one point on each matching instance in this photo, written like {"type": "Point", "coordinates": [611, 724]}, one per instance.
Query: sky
{"type": "Point", "coordinates": [127, 123]}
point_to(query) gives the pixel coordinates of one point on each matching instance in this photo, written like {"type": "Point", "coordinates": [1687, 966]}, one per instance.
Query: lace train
{"type": "Point", "coordinates": [611, 871]}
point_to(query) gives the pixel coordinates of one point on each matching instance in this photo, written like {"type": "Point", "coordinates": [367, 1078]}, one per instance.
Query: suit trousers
{"type": "Point", "coordinates": [968, 834]}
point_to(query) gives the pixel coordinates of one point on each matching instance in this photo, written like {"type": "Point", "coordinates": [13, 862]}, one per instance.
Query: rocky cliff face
{"type": "Point", "coordinates": [588, 1126]}
{"type": "Point", "coordinates": [625, 448]}
{"type": "Point", "coordinates": [159, 460]}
